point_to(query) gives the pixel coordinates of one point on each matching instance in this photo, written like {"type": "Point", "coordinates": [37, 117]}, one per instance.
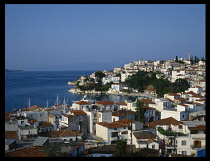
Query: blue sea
{"type": "Point", "coordinates": [43, 86]}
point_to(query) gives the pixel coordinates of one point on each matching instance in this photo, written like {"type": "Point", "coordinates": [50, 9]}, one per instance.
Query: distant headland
{"type": "Point", "coordinates": [8, 70]}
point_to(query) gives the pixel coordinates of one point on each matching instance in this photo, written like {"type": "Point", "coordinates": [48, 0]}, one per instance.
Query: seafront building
{"type": "Point", "coordinates": [174, 125]}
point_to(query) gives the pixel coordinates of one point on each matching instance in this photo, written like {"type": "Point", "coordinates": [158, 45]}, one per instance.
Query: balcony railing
{"type": "Point", "coordinates": [197, 146]}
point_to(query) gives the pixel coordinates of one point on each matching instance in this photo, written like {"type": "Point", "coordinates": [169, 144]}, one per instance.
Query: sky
{"type": "Point", "coordinates": [62, 37]}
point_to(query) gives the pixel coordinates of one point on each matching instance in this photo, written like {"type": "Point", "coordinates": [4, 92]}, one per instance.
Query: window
{"type": "Point", "coordinates": [153, 146]}
{"type": "Point", "coordinates": [180, 126]}
{"type": "Point", "coordinates": [184, 153]}
{"type": "Point", "coordinates": [79, 118]}
{"type": "Point", "coordinates": [184, 142]}
{"type": "Point", "coordinates": [183, 116]}
{"type": "Point", "coordinates": [114, 134]}
{"type": "Point", "coordinates": [125, 132]}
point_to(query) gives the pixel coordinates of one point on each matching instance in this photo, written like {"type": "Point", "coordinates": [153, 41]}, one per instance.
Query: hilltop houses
{"type": "Point", "coordinates": [174, 124]}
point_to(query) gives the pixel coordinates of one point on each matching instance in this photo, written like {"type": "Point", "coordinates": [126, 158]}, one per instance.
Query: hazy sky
{"type": "Point", "coordinates": [100, 36]}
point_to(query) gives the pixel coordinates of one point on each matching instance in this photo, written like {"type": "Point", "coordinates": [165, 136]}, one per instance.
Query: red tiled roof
{"type": "Point", "coordinates": [32, 121]}
{"type": "Point", "coordinates": [24, 109]}
{"type": "Point", "coordinates": [49, 109]}
{"type": "Point", "coordinates": [7, 118]}
{"type": "Point", "coordinates": [67, 133]}
{"type": "Point", "coordinates": [105, 102]}
{"type": "Point", "coordinates": [144, 135]}
{"type": "Point", "coordinates": [26, 152]}
{"type": "Point", "coordinates": [11, 135]}
{"type": "Point", "coordinates": [182, 104]}
{"type": "Point", "coordinates": [169, 120]}
{"type": "Point", "coordinates": [67, 115]}
{"type": "Point", "coordinates": [116, 124]}
{"type": "Point", "coordinates": [45, 124]}
{"type": "Point", "coordinates": [78, 112]}
{"type": "Point", "coordinates": [122, 113]}
{"type": "Point", "coordinates": [147, 101]}
{"type": "Point", "coordinates": [198, 127]}
{"type": "Point", "coordinates": [50, 115]}
{"type": "Point", "coordinates": [121, 103]}
{"type": "Point", "coordinates": [83, 103]}
{"type": "Point", "coordinates": [198, 104]}
{"type": "Point", "coordinates": [149, 108]}
{"type": "Point", "coordinates": [173, 94]}
{"type": "Point", "coordinates": [197, 95]}
{"type": "Point", "coordinates": [34, 107]}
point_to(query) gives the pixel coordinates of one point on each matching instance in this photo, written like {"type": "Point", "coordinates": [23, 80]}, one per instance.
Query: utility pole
{"type": "Point", "coordinates": [131, 134]}
{"type": "Point", "coordinates": [76, 131]}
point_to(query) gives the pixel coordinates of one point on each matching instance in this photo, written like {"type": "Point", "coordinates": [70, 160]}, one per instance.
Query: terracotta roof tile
{"type": "Point", "coordinates": [7, 118]}
{"type": "Point", "coordinates": [49, 109]}
{"type": "Point", "coordinates": [26, 152]}
{"type": "Point", "coordinates": [32, 121]}
{"type": "Point", "coordinates": [122, 113]}
{"type": "Point", "coordinates": [173, 94]}
{"type": "Point", "coordinates": [78, 112]}
{"type": "Point", "coordinates": [116, 124]}
{"type": "Point", "coordinates": [149, 108]}
{"type": "Point", "coordinates": [169, 120]}
{"type": "Point", "coordinates": [83, 103]}
{"type": "Point", "coordinates": [11, 135]}
{"type": "Point", "coordinates": [147, 101]}
{"type": "Point", "coordinates": [105, 102]}
{"type": "Point", "coordinates": [34, 107]}
{"type": "Point", "coordinates": [121, 103]}
{"type": "Point", "coordinates": [144, 135]}
{"type": "Point", "coordinates": [45, 124]}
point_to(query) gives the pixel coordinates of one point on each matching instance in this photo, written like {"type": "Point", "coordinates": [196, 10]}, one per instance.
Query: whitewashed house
{"type": "Point", "coordinates": [178, 115]}
{"type": "Point", "coordinates": [116, 87]}
{"type": "Point", "coordinates": [81, 105]}
{"type": "Point", "coordinates": [111, 132]}
{"type": "Point", "coordinates": [104, 116]}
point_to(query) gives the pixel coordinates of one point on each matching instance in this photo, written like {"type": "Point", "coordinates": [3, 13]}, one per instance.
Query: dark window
{"type": "Point", "coordinates": [114, 134]}
{"type": "Point", "coordinates": [180, 126]}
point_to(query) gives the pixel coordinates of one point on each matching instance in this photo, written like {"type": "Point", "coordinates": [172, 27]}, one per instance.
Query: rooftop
{"type": "Point", "coordinates": [26, 152]}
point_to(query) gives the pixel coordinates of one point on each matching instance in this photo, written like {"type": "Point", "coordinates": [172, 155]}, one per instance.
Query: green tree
{"type": "Point", "coordinates": [180, 85]}
{"type": "Point", "coordinates": [203, 59]}
{"type": "Point", "coordinates": [99, 74]}
{"type": "Point", "coordinates": [53, 150]}
{"type": "Point", "coordinates": [120, 149]}
{"type": "Point", "coordinates": [140, 110]}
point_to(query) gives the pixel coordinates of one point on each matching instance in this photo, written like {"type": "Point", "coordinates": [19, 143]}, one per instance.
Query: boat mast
{"type": "Point", "coordinates": [29, 103]}
{"type": "Point", "coordinates": [56, 102]}
{"type": "Point", "coordinates": [47, 103]}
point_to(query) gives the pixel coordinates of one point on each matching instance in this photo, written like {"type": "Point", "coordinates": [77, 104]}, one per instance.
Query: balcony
{"type": "Point", "coordinates": [197, 147]}
{"type": "Point", "coordinates": [198, 136]}
{"type": "Point", "coordinates": [171, 146]}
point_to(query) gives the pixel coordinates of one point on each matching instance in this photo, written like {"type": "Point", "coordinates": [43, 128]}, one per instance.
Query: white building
{"type": "Point", "coordinates": [116, 87]}
{"type": "Point", "coordinates": [111, 132]}
{"type": "Point", "coordinates": [178, 115]}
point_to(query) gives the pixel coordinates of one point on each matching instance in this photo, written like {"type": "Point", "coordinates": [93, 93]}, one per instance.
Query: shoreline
{"type": "Point", "coordinates": [77, 91]}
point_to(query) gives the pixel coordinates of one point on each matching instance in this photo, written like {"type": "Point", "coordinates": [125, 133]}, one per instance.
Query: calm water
{"type": "Point", "coordinates": [41, 86]}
